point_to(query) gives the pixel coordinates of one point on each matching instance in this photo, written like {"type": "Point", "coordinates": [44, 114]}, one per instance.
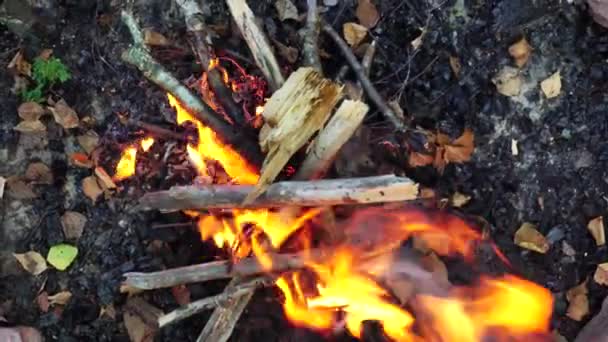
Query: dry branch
{"type": "Point", "coordinates": [257, 42]}
{"type": "Point", "coordinates": [367, 85]}
{"type": "Point", "coordinates": [388, 188]}
{"type": "Point", "coordinates": [139, 56]}
{"type": "Point", "coordinates": [340, 128]}
{"type": "Point", "coordinates": [310, 38]}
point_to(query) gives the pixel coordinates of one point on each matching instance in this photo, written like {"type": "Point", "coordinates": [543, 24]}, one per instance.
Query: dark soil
{"type": "Point", "coordinates": [556, 181]}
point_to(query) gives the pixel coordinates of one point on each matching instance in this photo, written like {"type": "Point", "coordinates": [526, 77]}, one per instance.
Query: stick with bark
{"type": "Point", "coordinates": [139, 56]}
{"type": "Point", "coordinates": [310, 38]}
{"type": "Point", "coordinates": [388, 188]}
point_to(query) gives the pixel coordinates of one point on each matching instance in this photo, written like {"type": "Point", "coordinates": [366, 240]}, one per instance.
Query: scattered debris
{"type": "Point", "coordinates": [39, 173]}
{"type": "Point", "coordinates": [30, 111]}
{"type": "Point", "coordinates": [455, 65]}
{"type": "Point", "coordinates": [579, 303]}
{"type": "Point", "coordinates": [32, 262]}
{"type": "Point", "coordinates": [520, 51]}
{"type": "Point", "coordinates": [108, 311]}
{"type": "Point", "coordinates": [153, 38]}
{"type": "Point", "coordinates": [508, 81]}
{"type": "Point", "coordinates": [354, 33]}
{"type": "Point", "coordinates": [91, 188]}
{"type": "Point", "coordinates": [64, 115]}
{"type": "Point", "coordinates": [105, 180]}
{"type": "Point", "coordinates": [416, 43]}
{"type": "Point", "coordinates": [61, 256]}
{"type": "Point", "coordinates": [286, 10]}
{"type": "Point", "coordinates": [60, 298]}
{"type": "Point", "coordinates": [596, 228]}
{"type": "Point", "coordinates": [552, 86]}
{"type": "Point", "coordinates": [601, 274]}
{"type": "Point", "coordinates": [73, 224]}
{"type": "Point", "coordinates": [367, 14]}
{"type": "Point", "coordinates": [81, 160]}
{"type": "Point", "coordinates": [31, 127]}
{"type": "Point", "coordinates": [88, 141]}
{"type": "Point", "coordinates": [514, 148]}
{"type": "Point", "coordinates": [528, 237]}
{"type": "Point", "coordinates": [459, 199]}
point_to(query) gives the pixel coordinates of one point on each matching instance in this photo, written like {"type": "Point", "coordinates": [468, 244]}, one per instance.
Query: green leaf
{"type": "Point", "coordinates": [34, 95]}
{"type": "Point", "coordinates": [61, 256]}
{"type": "Point", "coordinates": [49, 71]}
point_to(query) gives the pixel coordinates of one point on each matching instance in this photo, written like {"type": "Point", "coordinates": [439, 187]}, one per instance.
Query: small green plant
{"type": "Point", "coordinates": [45, 73]}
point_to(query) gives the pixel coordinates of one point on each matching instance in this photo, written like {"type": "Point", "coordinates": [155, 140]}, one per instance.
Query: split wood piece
{"type": "Point", "coordinates": [193, 16]}
{"type": "Point", "coordinates": [326, 192]}
{"type": "Point", "coordinates": [310, 38]}
{"type": "Point", "coordinates": [207, 303]}
{"type": "Point", "coordinates": [257, 42]}
{"type": "Point", "coordinates": [340, 128]}
{"type": "Point", "coordinates": [217, 270]}
{"type": "Point", "coordinates": [367, 85]}
{"type": "Point", "coordinates": [139, 56]}
{"type": "Point", "coordinates": [292, 116]}
{"type": "Point", "coordinates": [595, 330]}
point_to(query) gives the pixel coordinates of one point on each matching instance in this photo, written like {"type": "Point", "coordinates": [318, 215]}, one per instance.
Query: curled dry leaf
{"type": "Point", "coordinates": [154, 38]}
{"type": "Point", "coordinates": [88, 141]}
{"type": "Point", "coordinates": [32, 262]}
{"type": "Point", "coordinates": [552, 86]}
{"type": "Point", "coordinates": [461, 149]}
{"type": "Point", "coordinates": [520, 51]}
{"type": "Point", "coordinates": [81, 160]}
{"type": "Point", "coordinates": [528, 237]}
{"type": "Point", "coordinates": [91, 188]}
{"type": "Point", "coordinates": [455, 65]}
{"type": "Point", "coordinates": [508, 81]}
{"type": "Point", "coordinates": [596, 228]}
{"type": "Point", "coordinates": [578, 306]}
{"type": "Point", "coordinates": [19, 189]}
{"type": "Point", "coordinates": [60, 298]}
{"type": "Point", "coordinates": [354, 33]}
{"type": "Point", "coordinates": [30, 127]}
{"type": "Point", "coordinates": [286, 10]}
{"type": "Point", "coordinates": [601, 274]}
{"type": "Point", "coordinates": [73, 224]}
{"type": "Point", "coordinates": [459, 199]}
{"type": "Point", "coordinates": [105, 180]}
{"type": "Point", "coordinates": [367, 14]}
{"type": "Point", "coordinates": [39, 173]}
{"type": "Point", "coordinates": [64, 115]}
{"type": "Point", "coordinates": [19, 66]}
{"type": "Point", "coordinates": [30, 111]}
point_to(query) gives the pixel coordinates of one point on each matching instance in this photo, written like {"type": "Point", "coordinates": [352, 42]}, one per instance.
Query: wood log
{"type": "Point", "coordinates": [257, 42]}
{"type": "Point", "coordinates": [388, 188]}
{"type": "Point", "coordinates": [293, 115]}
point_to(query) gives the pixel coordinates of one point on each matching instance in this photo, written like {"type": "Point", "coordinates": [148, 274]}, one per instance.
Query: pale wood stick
{"type": "Point", "coordinates": [310, 38]}
{"type": "Point", "coordinates": [257, 42]}
{"type": "Point", "coordinates": [387, 188]}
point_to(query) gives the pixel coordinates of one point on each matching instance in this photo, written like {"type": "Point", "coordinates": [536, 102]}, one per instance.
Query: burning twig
{"type": "Point", "coordinates": [157, 131]}
{"type": "Point", "coordinates": [257, 42]}
{"type": "Point", "coordinates": [387, 188]}
{"type": "Point", "coordinates": [310, 37]}
{"type": "Point", "coordinates": [365, 82]}
{"type": "Point", "coordinates": [211, 302]}
{"type": "Point", "coordinates": [194, 22]}
{"type": "Point", "coordinates": [139, 56]}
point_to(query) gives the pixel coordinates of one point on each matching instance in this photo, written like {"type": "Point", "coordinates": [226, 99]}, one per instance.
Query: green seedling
{"type": "Point", "coordinates": [45, 73]}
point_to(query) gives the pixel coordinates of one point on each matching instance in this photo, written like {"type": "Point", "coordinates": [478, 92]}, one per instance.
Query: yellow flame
{"type": "Point", "coordinates": [146, 143]}
{"type": "Point", "coordinates": [126, 165]}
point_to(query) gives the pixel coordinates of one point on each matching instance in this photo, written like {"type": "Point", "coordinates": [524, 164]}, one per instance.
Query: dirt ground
{"type": "Point", "coordinates": [557, 180]}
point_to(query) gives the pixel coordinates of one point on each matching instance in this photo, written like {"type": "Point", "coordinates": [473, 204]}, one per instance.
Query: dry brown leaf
{"type": "Point", "coordinates": [417, 159]}
{"type": "Point", "coordinates": [578, 306]}
{"type": "Point", "coordinates": [31, 127]}
{"type": "Point", "coordinates": [32, 262]}
{"type": "Point", "coordinates": [286, 10]}
{"type": "Point", "coordinates": [73, 224]}
{"type": "Point", "coordinates": [105, 180]}
{"type": "Point", "coordinates": [45, 54]}
{"type": "Point", "coordinates": [461, 149]}
{"type": "Point", "coordinates": [458, 199]}
{"type": "Point", "coordinates": [2, 184]}
{"type": "Point", "coordinates": [91, 188]}
{"type": "Point", "coordinates": [19, 66]}
{"type": "Point", "coordinates": [508, 81]}
{"type": "Point", "coordinates": [154, 38]}
{"type": "Point", "coordinates": [88, 141]}
{"type": "Point", "coordinates": [39, 173]}
{"type": "Point", "coordinates": [181, 294]}
{"type": "Point", "coordinates": [108, 311]}
{"type": "Point", "coordinates": [137, 329]}
{"type": "Point", "coordinates": [520, 51]}
{"type": "Point", "coordinates": [601, 274]}
{"type": "Point", "coordinates": [60, 298]}
{"type": "Point", "coordinates": [596, 228]}
{"type": "Point", "coordinates": [64, 115]}
{"type": "Point", "coordinates": [129, 290]}
{"type": "Point", "coordinates": [289, 53]}
{"type": "Point", "coordinates": [416, 43]}
{"type": "Point", "coordinates": [19, 189]}
{"type": "Point", "coordinates": [367, 13]}
{"type": "Point", "coordinates": [81, 160]}
{"type": "Point", "coordinates": [528, 237]}
{"type": "Point", "coordinates": [552, 86]}
{"type": "Point", "coordinates": [30, 111]}
{"type": "Point", "coordinates": [455, 65]}
{"type": "Point", "coordinates": [354, 33]}
{"type": "Point", "coordinates": [43, 301]}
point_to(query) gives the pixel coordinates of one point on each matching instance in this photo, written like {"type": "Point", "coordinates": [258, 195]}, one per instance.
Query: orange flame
{"type": "Point", "coordinates": [126, 165]}
{"type": "Point", "coordinates": [146, 143]}
{"type": "Point", "coordinates": [210, 147]}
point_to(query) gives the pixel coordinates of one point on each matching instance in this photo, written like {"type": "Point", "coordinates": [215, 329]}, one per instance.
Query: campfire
{"type": "Point", "coordinates": [260, 148]}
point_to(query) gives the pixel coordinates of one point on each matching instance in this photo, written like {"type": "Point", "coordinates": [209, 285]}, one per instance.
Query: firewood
{"type": "Point", "coordinates": [257, 42]}
{"type": "Point", "coordinates": [293, 115]}
{"type": "Point", "coordinates": [387, 188]}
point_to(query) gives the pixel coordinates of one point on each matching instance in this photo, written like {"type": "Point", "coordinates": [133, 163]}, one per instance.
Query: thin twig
{"type": "Point", "coordinates": [157, 131]}
{"type": "Point", "coordinates": [367, 85]}
{"type": "Point", "coordinates": [310, 44]}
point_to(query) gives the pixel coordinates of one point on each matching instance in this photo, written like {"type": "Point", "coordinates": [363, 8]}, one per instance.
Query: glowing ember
{"type": "Point", "coordinates": [146, 143]}
{"type": "Point", "coordinates": [210, 147]}
{"type": "Point", "coordinates": [126, 165]}
{"type": "Point", "coordinates": [259, 110]}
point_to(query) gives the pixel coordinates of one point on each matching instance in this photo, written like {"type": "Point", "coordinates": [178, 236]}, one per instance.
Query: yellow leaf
{"type": "Point", "coordinates": [552, 86]}
{"type": "Point", "coordinates": [354, 33]}
{"type": "Point", "coordinates": [529, 238]}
